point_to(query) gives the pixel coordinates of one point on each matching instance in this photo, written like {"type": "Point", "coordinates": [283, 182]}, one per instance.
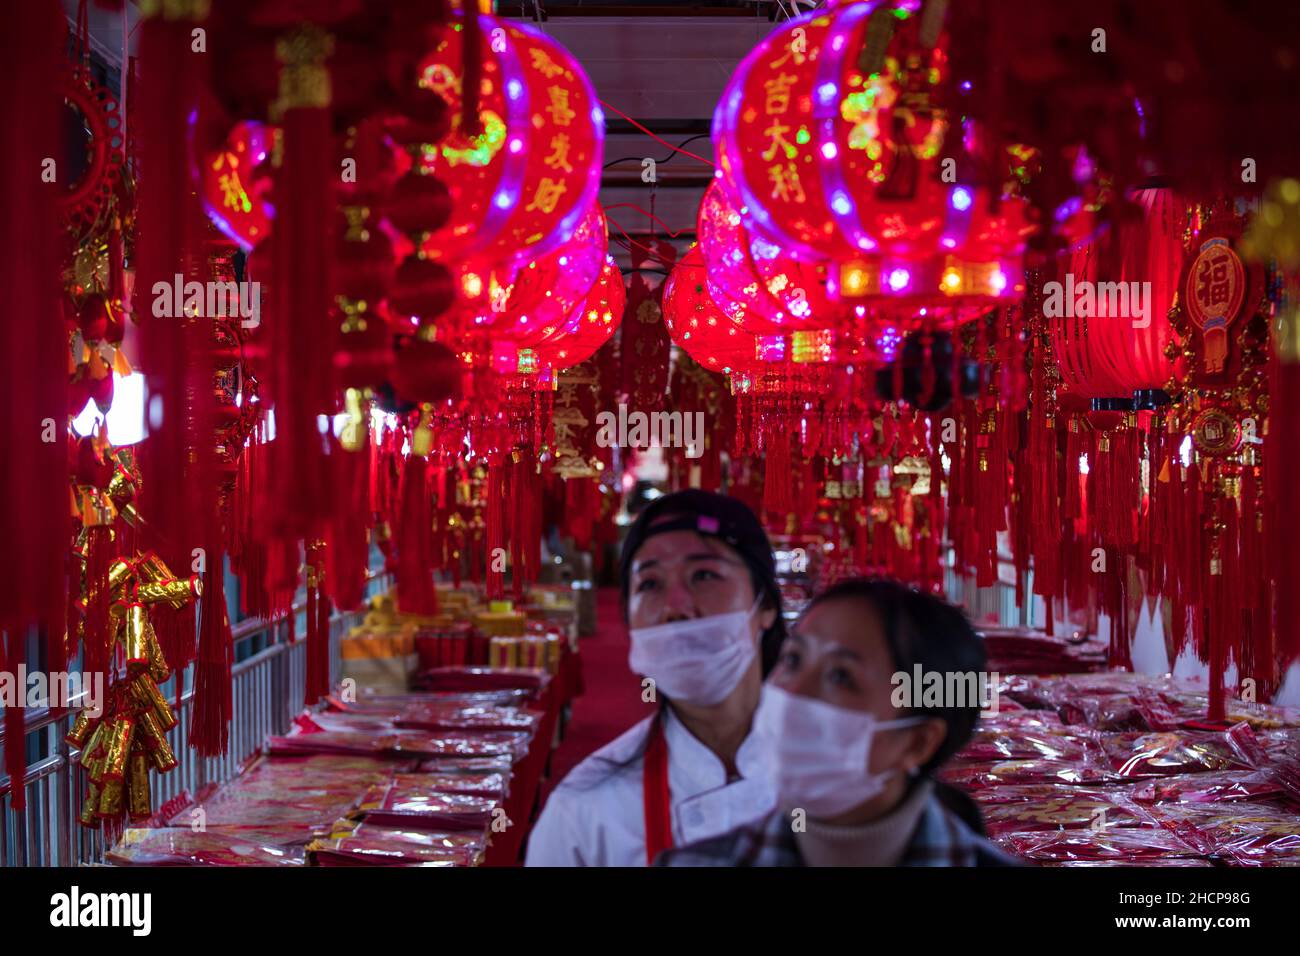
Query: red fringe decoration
{"type": "Point", "coordinates": [175, 351]}
{"type": "Point", "coordinates": [494, 518]}
{"type": "Point", "coordinates": [347, 546]}
{"type": "Point", "coordinates": [176, 630]}
{"type": "Point", "coordinates": [778, 490]}
{"type": "Point", "coordinates": [210, 726]}
{"type": "Point", "coordinates": [414, 534]}
{"type": "Point", "coordinates": [100, 554]}
{"type": "Point", "coordinates": [317, 682]}
{"type": "Point", "coordinates": [34, 341]}
{"type": "Point", "coordinates": [1284, 504]}
{"type": "Point", "coordinates": [302, 341]}
{"type": "Point", "coordinates": [34, 388]}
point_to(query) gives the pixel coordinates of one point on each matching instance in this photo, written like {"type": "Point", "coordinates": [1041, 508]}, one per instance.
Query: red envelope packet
{"type": "Point", "coordinates": [1120, 844]}
{"type": "Point", "coordinates": [362, 843]}
{"type": "Point", "coordinates": [406, 801]}
{"type": "Point", "coordinates": [181, 846]}
{"type": "Point", "coordinates": [1024, 809]}
{"type": "Point", "coordinates": [1137, 754]}
{"type": "Point", "coordinates": [976, 776]}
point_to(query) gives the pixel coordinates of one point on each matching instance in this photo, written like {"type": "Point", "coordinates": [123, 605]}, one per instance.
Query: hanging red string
{"type": "Point", "coordinates": [210, 723]}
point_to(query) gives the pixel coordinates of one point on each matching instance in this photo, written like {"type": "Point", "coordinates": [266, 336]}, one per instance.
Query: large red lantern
{"type": "Point", "coordinates": [832, 161]}
{"type": "Point", "coordinates": [521, 184]}
{"type": "Point", "coordinates": [698, 325]}
{"type": "Point", "coordinates": [1115, 347]}
{"type": "Point", "coordinates": [753, 281]}
{"type": "Point", "coordinates": [835, 162]}
{"type": "Point", "coordinates": [590, 326]}
{"type": "Point", "coordinates": [521, 306]}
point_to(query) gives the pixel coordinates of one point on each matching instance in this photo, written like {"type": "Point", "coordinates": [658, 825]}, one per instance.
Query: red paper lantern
{"type": "Point", "coordinates": [697, 324]}
{"type": "Point", "coordinates": [753, 281]}
{"type": "Point", "coordinates": [1108, 353]}
{"type": "Point", "coordinates": [522, 183]}
{"type": "Point", "coordinates": [590, 326]}
{"type": "Point", "coordinates": [838, 164]}
{"type": "Point", "coordinates": [523, 306]}
{"type": "Point", "coordinates": [829, 160]}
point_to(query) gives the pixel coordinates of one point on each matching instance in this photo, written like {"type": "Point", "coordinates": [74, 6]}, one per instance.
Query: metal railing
{"type": "Point", "coordinates": [267, 691]}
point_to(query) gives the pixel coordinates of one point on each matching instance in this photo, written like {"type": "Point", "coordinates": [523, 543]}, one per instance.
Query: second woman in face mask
{"type": "Point", "coordinates": [704, 614]}
{"type": "Point", "coordinates": [854, 757]}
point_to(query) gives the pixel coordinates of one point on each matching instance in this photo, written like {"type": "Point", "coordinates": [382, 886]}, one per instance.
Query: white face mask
{"type": "Point", "coordinates": [699, 660]}
{"type": "Point", "coordinates": [821, 754]}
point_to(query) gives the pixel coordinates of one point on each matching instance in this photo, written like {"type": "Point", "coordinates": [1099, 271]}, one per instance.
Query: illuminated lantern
{"type": "Point", "coordinates": [829, 161]}
{"type": "Point", "coordinates": [522, 183]}
{"type": "Point", "coordinates": [1109, 336]}
{"type": "Point", "coordinates": [698, 325]}
{"type": "Point", "coordinates": [523, 306]}
{"type": "Point", "coordinates": [591, 326]}
{"type": "Point", "coordinates": [753, 281]}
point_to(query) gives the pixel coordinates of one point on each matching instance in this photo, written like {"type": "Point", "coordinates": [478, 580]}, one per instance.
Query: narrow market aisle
{"type": "Point", "coordinates": [611, 701]}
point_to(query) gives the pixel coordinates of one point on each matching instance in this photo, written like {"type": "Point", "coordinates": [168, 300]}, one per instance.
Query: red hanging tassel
{"type": "Point", "coordinates": [34, 503]}
{"type": "Point", "coordinates": [347, 548]}
{"type": "Point", "coordinates": [415, 591]}
{"type": "Point", "coordinates": [176, 630]}
{"type": "Point", "coordinates": [175, 349]}
{"type": "Point", "coordinates": [317, 682]}
{"type": "Point", "coordinates": [210, 727]}
{"type": "Point", "coordinates": [100, 554]}
{"type": "Point", "coordinates": [495, 531]}
{"type": "Point", "coordinates": [301, 384]}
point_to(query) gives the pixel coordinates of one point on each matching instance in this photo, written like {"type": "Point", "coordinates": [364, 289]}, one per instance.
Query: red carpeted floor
{"type": "Point", "coordinates": [611, 699]}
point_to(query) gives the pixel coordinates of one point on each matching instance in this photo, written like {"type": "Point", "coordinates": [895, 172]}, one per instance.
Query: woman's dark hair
{"type": "Point", "coordinates": [921, 629]}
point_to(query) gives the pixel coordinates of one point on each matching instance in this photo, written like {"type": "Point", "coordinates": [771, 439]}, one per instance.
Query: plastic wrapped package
{"type": "Point", "coordinates": [978, 775]}
{"type": "Point", "coordinates": [1043, 721]}
{"type": "Point", "coordinates": [1176, 861]}
{"type": "Point", "coordinates": [403, 743]}
{"type": "Point", "coordinates": [1244, 832]}
{"type": "Point", "coordinates": [1135, 845]}
{"type": "Point", "coordinates": [332, 742]}
{"type": "Point", "coordinates": [990, 745]}
{"type": "Point", "coordinates": [500, 763]}
{"type": "Point", "coordinates": [1103, 712]}
{"type": "Point", "coordinates": [495, 785]}
{"type": "Point", "coordinates": [181, 846]}
{"type": "Point", "coordinates": [407, 801]}
{"type": "Point", "coordinates": [311, 764]}
{"type": "Point", "coordinates": [461, 679]}
{"type": "Point", "coordinates": [1137, 754]}
{"type": "Point", "coordinates": [452, 716]}
{"type": "Point", "coordinates": [392, 705]}
{"type": "Point", "coordinates": [1210, 787]}
{"type": "Point", "coordinates": [305, 793]}
{"type": "Point", "coordinates": [1024, 809]}
{"type": "Point", "coordinates": [1191, 705]}
{"type": "Point", "coordinates": [362, 843]}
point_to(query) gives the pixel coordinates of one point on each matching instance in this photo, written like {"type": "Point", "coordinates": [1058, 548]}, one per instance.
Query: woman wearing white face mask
{"type": "Point", "coordinates": [853, 756]}
{"type": "Point", "coordinates": [703, 608]}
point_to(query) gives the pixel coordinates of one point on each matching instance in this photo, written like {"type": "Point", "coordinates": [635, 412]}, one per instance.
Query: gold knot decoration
{"type": "Point", "coordinates": [304, 78]}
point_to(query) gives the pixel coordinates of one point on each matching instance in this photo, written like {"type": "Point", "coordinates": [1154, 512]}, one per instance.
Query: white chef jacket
{"type": "Point", "coordinates": [596, 816]}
